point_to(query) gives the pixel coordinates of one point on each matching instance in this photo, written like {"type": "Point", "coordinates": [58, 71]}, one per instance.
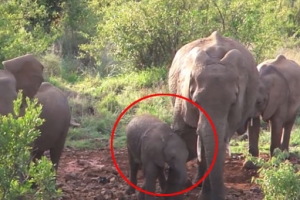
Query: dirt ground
{"type": "Point", "coordinates": [91, 175]}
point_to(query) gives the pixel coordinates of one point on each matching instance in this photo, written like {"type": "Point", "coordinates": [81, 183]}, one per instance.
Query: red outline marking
{"type": "Point", "coordinates": [157, 194]}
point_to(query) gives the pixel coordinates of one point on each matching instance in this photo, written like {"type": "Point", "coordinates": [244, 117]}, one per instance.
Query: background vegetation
{"type": "Point", "coordinates": [105, 54]}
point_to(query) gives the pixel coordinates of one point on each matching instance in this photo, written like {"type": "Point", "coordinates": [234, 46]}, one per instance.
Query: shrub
{"type": "Point", "coordinates": [148, 33]}
{"type": "Point", "coordinates": [278, 179]}
{"type": "Point", "coordinates": [17, 135]}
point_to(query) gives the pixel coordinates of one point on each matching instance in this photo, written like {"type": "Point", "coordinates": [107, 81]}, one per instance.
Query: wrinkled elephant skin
{"type": "Point", "coordinates": [277, 102]}
{"type": "Point", "coordinates": [151, 143]}
{"type": "Point", "coordinates": [220, 75]}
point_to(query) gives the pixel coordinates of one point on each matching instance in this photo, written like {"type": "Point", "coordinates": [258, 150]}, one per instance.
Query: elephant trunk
{"type": "Point", "coordinates": [176, 181]}
{"type": "Point", "coordinates": [243, 127]}
{"type": "Point", "coordinates": [207, 144]}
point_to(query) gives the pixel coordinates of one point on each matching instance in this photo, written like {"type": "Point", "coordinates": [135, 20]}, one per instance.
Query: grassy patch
{"type": "Point", "coordinates": [97, 102]}
{"type": "Point", "coordinates": [237, 146]}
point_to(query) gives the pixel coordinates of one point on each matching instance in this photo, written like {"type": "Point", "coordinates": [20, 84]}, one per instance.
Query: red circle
{"type": "Point", "coordinates": [157, 194]}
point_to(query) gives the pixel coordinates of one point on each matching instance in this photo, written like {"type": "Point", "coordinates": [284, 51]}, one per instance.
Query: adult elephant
{"type": "Point", "coordinates": [278, 102]}
{"type": "Point", "coordinates": [26, 73]}
{"type": "Point", "coordinates": [220, 75]}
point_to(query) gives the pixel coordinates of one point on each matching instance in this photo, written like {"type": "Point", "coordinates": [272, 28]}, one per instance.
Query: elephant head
{"type": "Point", "coordinates": [176, 155]}
{"type": "Point", "coordinates": [21, 73]}
{"type": "Point", "coordinates": [260, 105]}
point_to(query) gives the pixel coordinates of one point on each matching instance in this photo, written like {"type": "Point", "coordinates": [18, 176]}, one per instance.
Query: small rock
{"type": "Point", "coordinates": [103, 180]}
{"type": "Point", "coordinates": [112, 179]}
{"type": "Point", "coordinates": [81, 162]}
{"type": "Point", "coordinates": [249, 165]}
{"type": "Point", "coordinates": [255, 189]}
{"type": "Point", "coordinates": [70, 176]}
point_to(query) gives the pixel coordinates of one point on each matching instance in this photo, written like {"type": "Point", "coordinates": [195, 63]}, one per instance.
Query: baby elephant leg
{"type": "Point", "coordinates": [161, 178]}
{"type": "Point", "coordinates": [134, 167]}
{"type": "Point", "coordinates": [151, 174]}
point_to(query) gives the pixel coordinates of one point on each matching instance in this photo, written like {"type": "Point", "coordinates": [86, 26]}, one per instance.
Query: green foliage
{"type": "Point", "coordinates": [17, 36]}
{"type": "Point", "coordinates": [17, 135]}
{"type": "Point", "coordinates": [148, 33]}
{"type": "Point", "coordinates": [279, 179]}
{"type": "Point", "coordinates": [96, 103]}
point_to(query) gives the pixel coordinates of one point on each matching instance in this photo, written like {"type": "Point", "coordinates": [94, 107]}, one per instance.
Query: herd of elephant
{"type": "Point", "coordinates": [218, 73]}
{"type": "Point", "coordinates": [222, 76]}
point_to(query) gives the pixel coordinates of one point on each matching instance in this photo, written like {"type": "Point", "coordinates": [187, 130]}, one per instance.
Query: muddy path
{"type": "Point", "coordinates": [91, 175]}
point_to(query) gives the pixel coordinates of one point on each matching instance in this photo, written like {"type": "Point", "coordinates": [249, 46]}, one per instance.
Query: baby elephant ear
{"type": "Point", "coordinates": [28, 72]}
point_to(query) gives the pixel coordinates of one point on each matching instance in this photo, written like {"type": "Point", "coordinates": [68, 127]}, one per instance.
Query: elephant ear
{"type": "Point", "coordinates": [273, 96]}
{"type": "Point", "coordinates": [28, 72]}
{"type": "Point", "coordinates": [233, 58]}
{"type": "Point", "coordinates": [190, 112]}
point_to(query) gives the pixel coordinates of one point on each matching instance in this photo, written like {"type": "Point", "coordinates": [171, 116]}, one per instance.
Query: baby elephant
{"type": "Point", "coordinates": [151, 143]}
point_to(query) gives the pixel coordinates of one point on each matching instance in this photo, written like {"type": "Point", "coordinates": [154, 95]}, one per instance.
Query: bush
{"type": "Point", "coordinates": [278, 179]}
{"type": "Point", "coordinates": [17, 34]}
{"type": "Point", "coordinates": [148, 33]}
{"type": "Point", "coordinates": [17, 135]}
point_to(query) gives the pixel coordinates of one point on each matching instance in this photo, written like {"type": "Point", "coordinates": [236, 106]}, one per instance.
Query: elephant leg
{"type": "Point", "coordinates": [254, 130]}
{"type": "Point", "coordinates": [287, 133]}
{"type": "Point", "coordinates": [56, 152]}
{"type": "Point", "coordinates": [276, 132]}
{"type": "Point", "coordinates": [134, 167]}
{"type": "Point", "coordinates": [161, 179]}
{"type": "Point", "coordinates": [141, 195]}
{"type": "Point", "coordinates": [201, 168]}
{"type": "Point", "coordinates": [150, 179]}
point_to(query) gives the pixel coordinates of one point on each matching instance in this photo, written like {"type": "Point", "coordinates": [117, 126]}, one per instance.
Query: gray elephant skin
{"type": "Point", "coordinates": [151, 143]}
{"type": "Point", "coordinates": [26, 73]}
{"type": "Point", "coordinates": [220, 75]}
{"type": "Point", "coordinates": [278, 102]}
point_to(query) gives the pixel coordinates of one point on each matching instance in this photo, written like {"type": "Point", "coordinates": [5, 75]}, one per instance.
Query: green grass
{"type": "Point", "coordinates": [265, 140]}
{"type": "Point", "coordinates": [97, 102]}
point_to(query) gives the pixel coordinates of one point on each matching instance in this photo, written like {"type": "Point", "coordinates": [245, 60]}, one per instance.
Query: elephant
{"type": "Point", "coordinates": [278, 101]}
{"type": "Point", "coordinates": [151, 144]}
{"type": "Point", "coordinates": [26, 73]}
{"type": "Point", "coordinates": [220, 75]}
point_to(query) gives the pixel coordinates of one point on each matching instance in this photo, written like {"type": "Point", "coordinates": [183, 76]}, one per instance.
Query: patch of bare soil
{"type": "Point", "coordinates": [91, 175]}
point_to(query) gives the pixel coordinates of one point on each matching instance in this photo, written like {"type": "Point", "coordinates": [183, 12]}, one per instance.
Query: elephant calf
{"type": "Point", "coordinates": [151, 143]}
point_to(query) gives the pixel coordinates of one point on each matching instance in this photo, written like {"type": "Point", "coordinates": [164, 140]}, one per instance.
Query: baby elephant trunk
{"type": "Point", "coordinates": [176, 182]}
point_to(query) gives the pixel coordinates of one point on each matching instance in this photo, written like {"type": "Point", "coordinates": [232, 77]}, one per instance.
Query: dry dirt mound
{"type": "Point", "coordinates": [91, 175]}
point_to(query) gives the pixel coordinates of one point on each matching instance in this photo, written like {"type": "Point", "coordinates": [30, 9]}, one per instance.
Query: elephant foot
{"type": "Point", "coordinates": [130, 190]}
